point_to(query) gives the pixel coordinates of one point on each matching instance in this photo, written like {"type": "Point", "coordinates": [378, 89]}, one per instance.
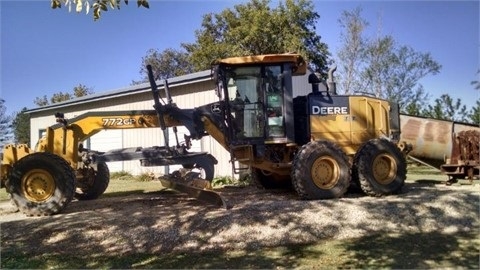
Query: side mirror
{"type": "Point", "coordinates": [215, 70]}
{"type": "Point", "coordinates": [219, 89]}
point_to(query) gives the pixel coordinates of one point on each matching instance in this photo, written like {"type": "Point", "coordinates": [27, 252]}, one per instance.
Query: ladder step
{"type": "Point", "coordinates": [240, 159]}
{"type": "Point", "coordinates": [238, 169]}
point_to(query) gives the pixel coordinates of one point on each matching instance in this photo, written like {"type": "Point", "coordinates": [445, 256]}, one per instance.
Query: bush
{"type": "Point", "coordinates": [121, 175]}
{"type": "Point", "coordinates": [145, 177]}
{"type": "Point", "coordinates": [230, 181]}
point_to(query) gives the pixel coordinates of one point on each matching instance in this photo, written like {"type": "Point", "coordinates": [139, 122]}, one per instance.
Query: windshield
{"type": "Point", "coordinates": [255, 98]}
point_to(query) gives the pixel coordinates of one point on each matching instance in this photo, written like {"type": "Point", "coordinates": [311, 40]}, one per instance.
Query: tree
{"type": "Point", "coordinates": [98, 5]}
{"type": "Point", "coordinates": [256, 28]}
{"type": "Point", "coordinates": [41, 101]}
{"type": "Point", "coordinates": [407, 69]}
{"type": "Point", "coordinates": [445, 108]}
{"type": "Point", "coordinates": [5, 126]}
{"type": "Point", "coordinates": [78, 91]}
{"type": "Point", "coordinates": [418, 102]}
{"type": "Point", "coordinates": [474, 113]}
{"type": "Point", "coordinates": [379, 55]}
{"type": "Point", "coordinates": [166, 64]}
{"type": "Point", "coordinates": [82, 90]}
{"type": "Point", "coordinates": [381, 67]}
{"type": "Point", "coordinates": [21, 127]}
{"type": "Point", "coordinates": [353, 49]}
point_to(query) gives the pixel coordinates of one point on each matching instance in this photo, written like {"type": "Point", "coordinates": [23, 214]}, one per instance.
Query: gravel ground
{"type": "Point", "coordinates": [167, 221]}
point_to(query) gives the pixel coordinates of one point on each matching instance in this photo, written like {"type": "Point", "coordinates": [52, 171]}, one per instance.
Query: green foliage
{"type": "Point", "coordinates": [222, 181]}
{"type": "Point", "coordinates": [418, 103]}
{"type": "Point", "coordinates": [446, 108]}
{"type": "Point", "coordinates": [145, 177]}
{"type": "Point", "coordinates": [407, 68]}
{"type": "Point", "coordinates": [166, 64]}
{"type": "Point", "coordinates": [256, 28]}
{"type": "Point", "coordinates": [21, 127]}
{"type": "Point", "coordinates": [6, 135]}
{"type": "Point", "coordinates": [127, 176]}
{"type": "Point", "coordinates": [59, 97]}
{"type": "Point", "coordinates": [78, 91]}
{"type": "Point", "coordinates": [474, 114]}
{"type": "Point", "coordinates": [98, 6]}
{"type": "Point", "coordinates": [230, 181]}
{"type": "Point", "coordinates": [122, 175]}
{"type": "Point", "coordinates": [82, 90]}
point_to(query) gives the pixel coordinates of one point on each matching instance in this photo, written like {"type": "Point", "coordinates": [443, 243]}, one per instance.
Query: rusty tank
{"type": "Point", "coordinates": [449, 146]}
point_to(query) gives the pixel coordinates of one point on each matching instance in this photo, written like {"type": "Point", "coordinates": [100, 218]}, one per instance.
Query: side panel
{"type": "Point", "coordinates": [349, 121]}
{"type": "Point", "coordinates": [330, 118]}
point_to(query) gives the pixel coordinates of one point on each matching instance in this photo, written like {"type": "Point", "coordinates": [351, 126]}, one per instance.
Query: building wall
{"type": "Point", "coordinates": [185, 96]}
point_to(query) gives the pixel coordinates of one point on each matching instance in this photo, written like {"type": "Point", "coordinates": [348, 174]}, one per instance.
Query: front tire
{"type": "Point", "coordinates": [320, 171]}
{"type": "Point", "coordinates": [41, 184]}
{"type": "Point", "coordinates": [381, 168]}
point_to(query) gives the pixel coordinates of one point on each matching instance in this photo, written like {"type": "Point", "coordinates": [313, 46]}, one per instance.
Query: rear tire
{"type": "Point", "coordinates": [320, 171]}
{"type": "Point", "coordinates": [41, 184]}
{"type": "Point", "coordinates": [381, 168]}
{"type": "Point", "coordinates": [95, 187]}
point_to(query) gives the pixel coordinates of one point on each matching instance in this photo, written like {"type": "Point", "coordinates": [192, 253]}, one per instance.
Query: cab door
{"type": "Point", "coordinates": [246, 104]}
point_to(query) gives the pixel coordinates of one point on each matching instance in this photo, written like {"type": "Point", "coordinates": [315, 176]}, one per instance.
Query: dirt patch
{"type": "Point", "coordinates": [167, 221]}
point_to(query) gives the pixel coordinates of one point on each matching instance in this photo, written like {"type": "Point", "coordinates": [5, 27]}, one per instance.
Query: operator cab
{"type": "Point", "coordinates": [257, 95]}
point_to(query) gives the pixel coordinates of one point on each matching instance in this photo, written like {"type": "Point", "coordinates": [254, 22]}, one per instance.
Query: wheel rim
{"type": "Point", "coordinates": [38, 185]}
{"type": "Point", "coordinates": [384, 169]}
{"type": "Point", "coordinates": [325, 172]}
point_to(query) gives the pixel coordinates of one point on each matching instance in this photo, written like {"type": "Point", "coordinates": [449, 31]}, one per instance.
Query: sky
{"type": "Point", "coordinates": [45, 51]}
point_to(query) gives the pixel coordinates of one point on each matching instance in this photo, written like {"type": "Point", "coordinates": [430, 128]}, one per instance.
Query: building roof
{"type": "Point", "coordinates": [133, 89]}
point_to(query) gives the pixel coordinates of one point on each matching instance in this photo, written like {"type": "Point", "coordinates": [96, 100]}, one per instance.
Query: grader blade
{"type": "Point", "coordinates": [203, 195]}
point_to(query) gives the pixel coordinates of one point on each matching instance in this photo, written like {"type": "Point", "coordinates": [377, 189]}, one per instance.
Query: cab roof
{"type": "Point", "coordinates": [300, 66]}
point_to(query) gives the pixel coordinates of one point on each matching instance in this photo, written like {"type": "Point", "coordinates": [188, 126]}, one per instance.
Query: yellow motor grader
{"type": "Point", "coordinates": [317, 143]}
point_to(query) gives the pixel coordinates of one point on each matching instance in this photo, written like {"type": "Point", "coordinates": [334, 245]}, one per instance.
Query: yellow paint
{"type": "Point", "coordinates": [368, 119]}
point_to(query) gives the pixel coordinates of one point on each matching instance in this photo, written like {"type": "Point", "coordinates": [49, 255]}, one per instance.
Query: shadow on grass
{"type": "Point", "coordinates": [414, 251]}
{"type": "Point", "coordinates": [459, 182]}
{"type": "Point", "coordinates": [429, 182]}
{"type": "Point", "coordinates": [405, 251]}
{"type": "Point", "coordinates": [126, 193]}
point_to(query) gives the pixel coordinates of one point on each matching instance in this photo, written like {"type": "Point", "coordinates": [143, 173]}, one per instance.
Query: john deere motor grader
{"type": "Point", "coordinates": [318, 143]}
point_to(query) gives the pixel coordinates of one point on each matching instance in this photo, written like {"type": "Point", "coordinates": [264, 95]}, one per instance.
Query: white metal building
{"type": "Point", "coordinates": [187, 91]}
